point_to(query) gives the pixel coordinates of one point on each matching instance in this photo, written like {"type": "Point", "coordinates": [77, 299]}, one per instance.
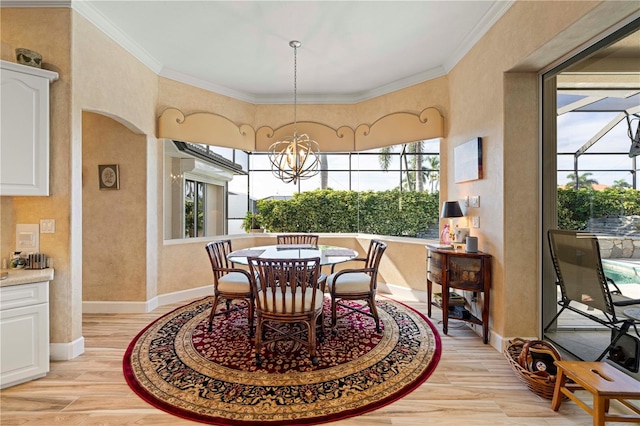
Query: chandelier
{"type": "Point", "coordinates": [295, 157]}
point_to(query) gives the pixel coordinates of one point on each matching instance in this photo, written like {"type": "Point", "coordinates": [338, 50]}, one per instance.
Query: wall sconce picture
{"type": "Point", "coordinates": [109, 176]}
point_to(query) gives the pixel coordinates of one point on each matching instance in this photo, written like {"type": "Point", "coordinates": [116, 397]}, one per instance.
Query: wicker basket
{"type": "Point", "coordinates": [541, 386]}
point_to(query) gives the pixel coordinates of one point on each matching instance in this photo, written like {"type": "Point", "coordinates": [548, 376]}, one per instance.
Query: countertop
{"type": "Point", "coordinates": [24, 276]}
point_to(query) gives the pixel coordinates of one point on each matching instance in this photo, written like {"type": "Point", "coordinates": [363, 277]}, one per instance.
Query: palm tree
{"type": "Point", "coordinates": [324, 171]}
{"type": "Point", "coordinates": [621, 184]}
{"type": "Point", "coordinates": [431, 174]}
{"type": "Point", "coordinates": [583, 181]}
{"type": "Point", "coordinates": [414, 179]}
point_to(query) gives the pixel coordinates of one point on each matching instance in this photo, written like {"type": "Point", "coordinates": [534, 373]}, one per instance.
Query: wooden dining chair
{"type": "Point", "coordinates": [290, 291]}
{"type": "Point", "coordinates": [297, 239]}
{"type": "Point", "coordinates": [229, 283]}
{"type": "Point", "coordinates": [357, 284]}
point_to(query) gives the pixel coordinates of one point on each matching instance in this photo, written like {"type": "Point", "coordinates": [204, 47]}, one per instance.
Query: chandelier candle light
{"type": "Point", "coordinates": [295, 157]}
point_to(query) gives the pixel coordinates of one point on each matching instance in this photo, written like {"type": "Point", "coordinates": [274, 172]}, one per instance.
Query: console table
{"type": "Point", "coordinates": [457, 269]}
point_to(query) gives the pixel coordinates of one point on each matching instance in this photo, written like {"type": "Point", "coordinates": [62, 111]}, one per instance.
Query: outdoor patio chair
{"type": "Point", "coordinates": [357, 284]}
{"type": "Point", "coordinates": [290, 291]}
{"type": "Point", "coordinates": [229, 283]}
{"type": "Point", "coordinates": [585, 288]}
{"type": "Point", "coordinates": [297, 239]}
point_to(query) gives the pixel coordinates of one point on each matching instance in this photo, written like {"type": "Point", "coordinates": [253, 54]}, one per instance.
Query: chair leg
{"type": "Point", "coordinates": [374, 312]}
{"type": "Point", "coordinates": [258, 344]}
{"type": "Point", "coordinates": [322, 329]}
{"type": "Point", "coordinates": [334, 316]}
{"type": "Point", "coordinates": [312, 340]}
{"type": "Point", "coordinates": [251, 302]}
{"type": "Point", "coordinates": [213, 311]}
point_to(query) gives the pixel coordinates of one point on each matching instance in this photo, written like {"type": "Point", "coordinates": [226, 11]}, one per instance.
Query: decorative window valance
{"type": "Point", "coordinates": [213, 129]}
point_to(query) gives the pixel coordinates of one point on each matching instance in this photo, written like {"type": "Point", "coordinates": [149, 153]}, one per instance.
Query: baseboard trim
{"type": "Point", "coordinates": [66, 351]}
{"type": "Point", "coordinates": [403, 293]}
{"type": "Point", "coordinates": [118, 307]}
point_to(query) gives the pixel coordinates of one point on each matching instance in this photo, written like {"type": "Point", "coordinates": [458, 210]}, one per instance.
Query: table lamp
{"type": "Point", "coordinates": [450, 209]}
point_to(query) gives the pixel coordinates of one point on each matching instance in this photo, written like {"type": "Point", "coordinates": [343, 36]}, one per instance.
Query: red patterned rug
{"type": "Point", "coordinates": [176, 365]}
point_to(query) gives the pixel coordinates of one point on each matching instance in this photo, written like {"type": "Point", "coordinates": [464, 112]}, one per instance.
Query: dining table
{"type": "Point", "coordinates": [329, 255]}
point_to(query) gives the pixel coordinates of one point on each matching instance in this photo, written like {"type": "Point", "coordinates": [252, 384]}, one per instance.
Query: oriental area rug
{"type": "Point", "coordinates": [178, 366]}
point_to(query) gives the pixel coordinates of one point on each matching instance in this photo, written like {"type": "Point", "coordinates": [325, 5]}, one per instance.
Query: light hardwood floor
{"type": "Point", "coordinates": [473, 384]}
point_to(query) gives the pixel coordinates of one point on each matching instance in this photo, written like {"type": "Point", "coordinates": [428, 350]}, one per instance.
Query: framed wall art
{"type": "Point", "coordinates": [467, 159]}
{"type": "Point", "coordinates": [109, 176]}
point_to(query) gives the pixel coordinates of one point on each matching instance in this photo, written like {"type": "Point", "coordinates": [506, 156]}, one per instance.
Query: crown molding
{"type": "Point", "coordinates": [106, 26]}
{"type": "Point", "coordinates": [492, 16]}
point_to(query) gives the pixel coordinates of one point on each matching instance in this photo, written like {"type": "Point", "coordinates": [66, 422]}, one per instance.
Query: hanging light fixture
{"type": "Point", "coordinates": [295, 157]}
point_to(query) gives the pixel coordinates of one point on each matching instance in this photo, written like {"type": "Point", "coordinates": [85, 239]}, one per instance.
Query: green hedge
{"type": "Point", "coordinates": [409, 213]}
{"type": "Point", "coordinates": [576, 207]}
{"type": "Point", "coordinates": [393, 212]}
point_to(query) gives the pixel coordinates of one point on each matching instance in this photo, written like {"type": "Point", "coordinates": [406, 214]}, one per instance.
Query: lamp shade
{"type": "Point", "coordinates": [451, 209]}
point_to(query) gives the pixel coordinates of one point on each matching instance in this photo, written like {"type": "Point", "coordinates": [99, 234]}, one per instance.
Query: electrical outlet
{"type": "Point", "coordinates": [474, 201]}
{"type": "Point", "coordinates": [475, 221]}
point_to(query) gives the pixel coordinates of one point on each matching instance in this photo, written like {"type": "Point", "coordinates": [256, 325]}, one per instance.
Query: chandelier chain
{"type": "Point", "coordinates": [295, 89]}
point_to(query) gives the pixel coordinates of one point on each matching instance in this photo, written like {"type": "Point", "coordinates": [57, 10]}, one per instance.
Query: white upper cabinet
{"type": "Point", "coordinates": [24, 129]}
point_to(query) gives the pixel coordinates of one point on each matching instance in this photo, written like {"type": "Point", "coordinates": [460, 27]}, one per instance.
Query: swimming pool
{"type": "Point", "coordinates": [622, 272]}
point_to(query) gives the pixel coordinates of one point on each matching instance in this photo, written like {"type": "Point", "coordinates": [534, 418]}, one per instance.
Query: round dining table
{"type": "Point", "coordinates": [329, 255]}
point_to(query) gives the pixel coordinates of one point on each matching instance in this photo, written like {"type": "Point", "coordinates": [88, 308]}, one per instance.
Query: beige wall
{"type": "Point", "coordinates": [113, 221]}
{"type": "Point", "coordinates": [477, 98]}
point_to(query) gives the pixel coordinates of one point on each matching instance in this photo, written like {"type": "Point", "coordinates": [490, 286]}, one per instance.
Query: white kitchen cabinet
{"type": "Point", "coordinates": [24, 134]}
{"type": "Point", "coordinates": [24, 332]}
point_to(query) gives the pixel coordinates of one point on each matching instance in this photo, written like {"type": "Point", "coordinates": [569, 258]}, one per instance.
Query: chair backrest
{"type": "Point", "coordinates": [578, 266]}
{"type": "Point", "coordinates": [287, 287]}
{"type": "Point", "coordinates": [218, 251]}
{"type": "Point", "coordinates": [297, 239]}
{"type": "Point", "coordinates": [374, 254]}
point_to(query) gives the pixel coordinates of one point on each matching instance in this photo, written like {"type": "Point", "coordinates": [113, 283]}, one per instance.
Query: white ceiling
{"type": "Point", "coordinates": [351, 50]}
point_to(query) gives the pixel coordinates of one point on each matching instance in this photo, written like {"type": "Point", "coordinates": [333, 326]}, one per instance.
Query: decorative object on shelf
{"type": "Point", "coordinates": [296, 157]}
{"type": "Point", "coordinates": [467, 159]}
{"type": "Point", "coordinates": [471, 245]}
{"type": "Point", "coordinates": [17, 261]}
{"type": "Point", "coordinates": [109, 176]}
{"type": "Point", "coordinates": [450, 210]}
{"type": "Point", "coordinates": [461, 234]}
{"type": "Point", "coordinates": [538, 381]}
{"type": "Point", "coordinates": [28, 57]}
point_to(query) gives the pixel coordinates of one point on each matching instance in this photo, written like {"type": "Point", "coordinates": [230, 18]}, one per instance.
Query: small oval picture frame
{"type": "Point", "coordinates": [109, 176]}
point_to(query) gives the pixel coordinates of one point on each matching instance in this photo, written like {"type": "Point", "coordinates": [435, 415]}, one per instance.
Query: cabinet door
{"type": "Point", "coordinates": [24, 139]}
{"type": "Point", "coordinates": [434, 267]}
{"type": "Point", "coordinates": [466, 273]}
{"type": "Point", "coordinates": [24, 344]}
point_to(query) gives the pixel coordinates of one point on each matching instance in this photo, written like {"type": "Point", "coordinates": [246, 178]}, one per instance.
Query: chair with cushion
{"type": "Point", "coordinates": [311, 239]}
{"type": "Point", "coordinates": [357, 284]}
{"type": "Point", "coordinates": [229, 283]}
{"type": "Point", "coordinates": [289, 292]}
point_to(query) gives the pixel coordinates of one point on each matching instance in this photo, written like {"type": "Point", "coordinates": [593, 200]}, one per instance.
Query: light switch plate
{"type": "Point", "coordinates": [475, 221]}
{"type": "Point", "coordinates": [474, 201]}
{"type": "Point", "coordinates": [47, 226]}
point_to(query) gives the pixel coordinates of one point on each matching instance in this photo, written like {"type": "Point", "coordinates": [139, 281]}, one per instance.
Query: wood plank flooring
{"type": "Point", "coordinates": [473, 384]}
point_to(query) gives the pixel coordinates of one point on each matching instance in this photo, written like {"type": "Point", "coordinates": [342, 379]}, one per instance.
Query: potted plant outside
{"type": "Point", "coordinates": [252, 222]}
